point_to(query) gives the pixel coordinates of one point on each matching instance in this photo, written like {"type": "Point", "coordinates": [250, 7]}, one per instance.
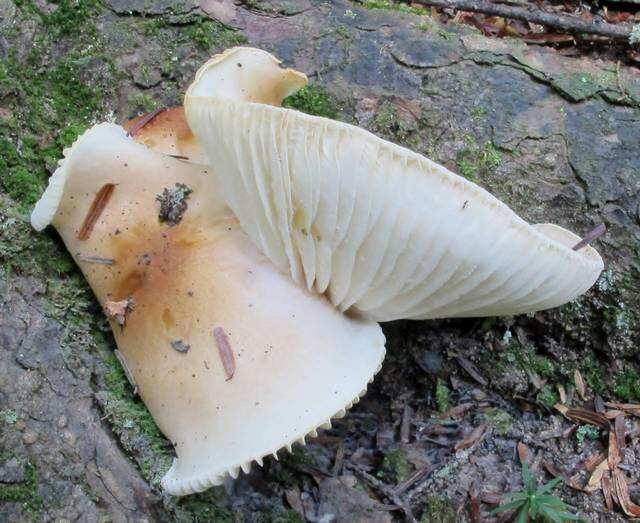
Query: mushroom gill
{"type": "Point", "coordinates": [382, 231]}
{"type": "Point", "coordinates": [233, 360]}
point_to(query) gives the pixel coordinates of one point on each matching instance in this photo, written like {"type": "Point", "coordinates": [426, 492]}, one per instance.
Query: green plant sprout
{"type": "Point", "coordinates": [535, 503]}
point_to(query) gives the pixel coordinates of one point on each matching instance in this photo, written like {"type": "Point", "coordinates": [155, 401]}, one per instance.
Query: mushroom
{"type": "Point", "coordinates": [384, 232]}
{"type": "Point", "coordinates": [233, 360]}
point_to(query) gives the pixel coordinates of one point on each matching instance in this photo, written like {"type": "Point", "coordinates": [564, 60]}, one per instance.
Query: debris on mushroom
{"type": "Point", "coordinates": [118, 310]}
{"type": "Point", "coordinates": [167, 131]}
{"type": "Point", "coordinates": [384, 232]}
{"type": "Point", "coordinates": [224, 349]}
{"type": "Point", "coordinates": [173, 203]}
{"type": "Point", "coordinates": [296, 361]}
{"type": "Point", "coordinates": [180, 346]}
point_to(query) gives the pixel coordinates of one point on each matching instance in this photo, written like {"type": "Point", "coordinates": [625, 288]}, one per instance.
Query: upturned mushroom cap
{"type": "Point", "coordinates": [233, 360]}
{"type": "Point", "coordinates": [383, 231]}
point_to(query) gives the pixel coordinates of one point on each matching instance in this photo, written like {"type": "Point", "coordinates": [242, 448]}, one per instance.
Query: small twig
{"type": "Point", "coordinates": [566, 23]}
{"type": "Point", "coordinates": [590, 236]}
{"type": "Point", "coordinates": [418, 475]}
{"type": "Point", "coordinates": [135, 129]}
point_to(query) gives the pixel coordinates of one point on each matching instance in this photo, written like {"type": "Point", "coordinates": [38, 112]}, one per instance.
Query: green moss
{"type": "Point", "coordinates": [394, 6]}
{"type": "Point", "coordinates": [395, 464]}
{"type": "Point", "coordinates": [439, 510]}
{"type": "Point", "coordinates": [547, 396]}
{"type": "Point", "coordinates": [9, 416]}
{"type": "Point", "coordinates": [202, 508]}
{"type": "Point", "coordinates": [21, 185]}
{"type": "Point", "coordinates": [312, 99]}
{"type": "Point", "coordinates": [627, 385]}
{"type": "Point", "coordinates": [442, 395]}
{"type": "Point", "coordinates": [390, 124]}
{"type": "Point", "coordinates": [593, 374]}
{"type": "Point", "coordinates": [26, 492]}
{"type": "Point", "coordinates": [208, 33]}
{"type": "Point", "coordinates": [586, 432]}
{"type": "Point", "coordinates": [142, 102]}
{"type": "Point", "coordinates": [286, 516]}
{"type": "Point", "coordinates": [125, 410]}
{"type": "Point", "coordinates": [474, 160]}
{"type": "Point", "coordinates": [499, 419]}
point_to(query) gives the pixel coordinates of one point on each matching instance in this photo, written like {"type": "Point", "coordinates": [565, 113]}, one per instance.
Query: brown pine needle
{"type": "Point", "coordinates": [97, 206]}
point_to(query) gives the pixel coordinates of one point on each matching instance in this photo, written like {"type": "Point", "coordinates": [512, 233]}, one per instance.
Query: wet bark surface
{"type": "Point", "coordinates": [555, 137]}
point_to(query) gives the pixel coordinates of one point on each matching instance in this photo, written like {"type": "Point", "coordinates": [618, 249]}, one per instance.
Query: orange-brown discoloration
{"type": "Point", "coordinates": [168, 132]}
{"type": "Point", "coordinates": [150, 259]}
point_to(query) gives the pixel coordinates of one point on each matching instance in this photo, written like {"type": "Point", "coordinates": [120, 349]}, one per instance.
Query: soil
{"type": "Point", "coordinates": [554, 136]}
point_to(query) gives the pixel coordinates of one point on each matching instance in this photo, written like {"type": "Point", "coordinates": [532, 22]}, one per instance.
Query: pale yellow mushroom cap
{"type": "Point", "coordinates": [384, 232]}
{"type": "Point", "coordinates": [233, 360]}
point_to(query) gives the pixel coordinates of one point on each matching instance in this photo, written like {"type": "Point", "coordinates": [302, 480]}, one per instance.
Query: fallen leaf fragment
{"type": "Point", "coordinates": [613, 414]}
{"type": "Point", "coordinates": [631, 408]}
{"type": "Point", "coordinates": [562, 393]}
{"type": "Point", "coordinates": [294, 500]}
{"type": "Point", "coordinates": [620, 430]}
{"type": "Point", "coordinates": [580, 386]}
{"type": "Point", "coordinates": [583, 416]}
{"type": "Point", "coordinates": [523, 453]}
{"type": "Point", "coordinates": [606, 490]}
{"type": "Point", "coordinates": [473, 438]}
{"type": "Point", "coordinates": [118, 310]}
{"type": "Point", "coordinates": [613, 458]}
{"type": "Point", "coordinates": [593, 461]}
{"type": "Point", "coordinates": [562, 409]}
{"type": "Point", "coordinates": [596, 477]}
{"type": "Point", "coordinates": [621, 491]}
{"type": "Point", "coordinates": [474, 508]}
{"type": "Point", "coordinates": [571, 482]}
{"type": "Point", "coordinates": [224, 349]}
{"type": "Point", "coordinates": [471, 370]}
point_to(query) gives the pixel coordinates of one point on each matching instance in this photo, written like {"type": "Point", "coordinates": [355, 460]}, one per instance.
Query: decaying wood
{"type": "Point", "coordinates": [614, 457]}
{"type": "Point", "coordinates": [565, 23]}
{"type": "Point", "coordinates": [97, 206]}
{"type": "Point", "coordinates": [583, 416]}
{"type": "Point", "coordinates": [621, 490]}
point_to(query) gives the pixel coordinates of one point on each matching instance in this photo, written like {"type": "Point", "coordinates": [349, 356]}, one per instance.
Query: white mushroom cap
{"type": "Point", "coordinates": [233, 360]}
{"type": "Point", "coordinates": [383, 231]}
